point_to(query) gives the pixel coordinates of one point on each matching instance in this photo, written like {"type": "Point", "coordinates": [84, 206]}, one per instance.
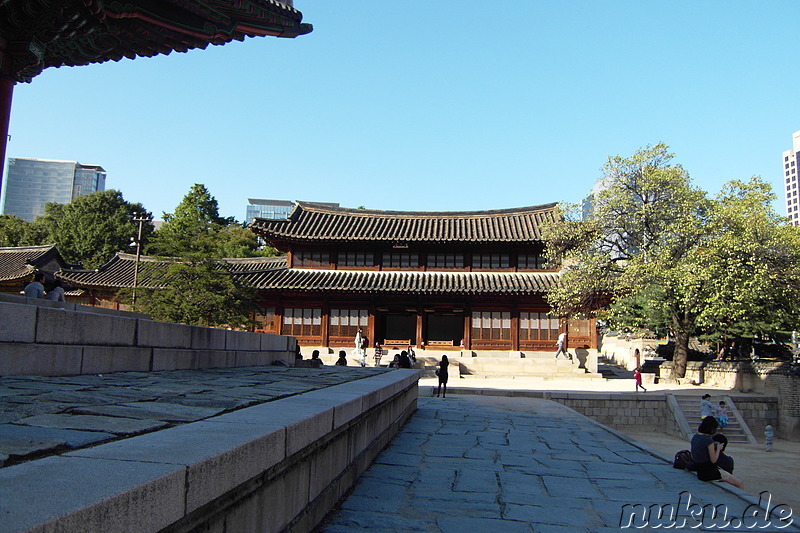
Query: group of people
{"type": "Point", "coordinates": [708, 457]}
{"type": "Point", "coordinates": [35, 289]}
{"type": "Point", "coordinates": [719, 412]}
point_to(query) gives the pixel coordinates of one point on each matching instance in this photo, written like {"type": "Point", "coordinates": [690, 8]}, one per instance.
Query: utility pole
{"type": "Point", "coordinates": [141, 219]}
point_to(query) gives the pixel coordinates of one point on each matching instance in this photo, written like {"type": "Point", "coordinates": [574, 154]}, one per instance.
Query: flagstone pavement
{"type": "Point", "coordinates": [499, 464]}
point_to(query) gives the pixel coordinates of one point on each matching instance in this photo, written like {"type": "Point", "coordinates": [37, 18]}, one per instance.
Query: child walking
{"type": "Point", "coordinates": [637, 376]}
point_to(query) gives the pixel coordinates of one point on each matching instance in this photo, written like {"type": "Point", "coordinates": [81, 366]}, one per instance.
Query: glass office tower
{"type": "Point", "coordinates": [32, 183]}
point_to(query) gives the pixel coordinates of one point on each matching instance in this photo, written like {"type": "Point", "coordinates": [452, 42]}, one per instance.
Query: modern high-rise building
{"type": "Point", "coordinates": [32, 183]}
{"type": "Point", "coordinates": [791, 163]}
{"type": "Point", "coordinates": [273, 209]}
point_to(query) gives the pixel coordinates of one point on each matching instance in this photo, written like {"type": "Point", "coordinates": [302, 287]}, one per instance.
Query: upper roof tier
{"type": "Point", "coordinates": [43, 33]}
{"type": "Point", "coordinates": [311, 222]}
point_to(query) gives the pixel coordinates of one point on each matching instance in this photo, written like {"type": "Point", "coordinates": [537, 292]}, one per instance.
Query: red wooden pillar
{"type": "Point", "coordinates": [419, 335]}
{"type": "Point", "coordinates": [467, 329]}
{"type": "Point", "coordinates": [515, 330]}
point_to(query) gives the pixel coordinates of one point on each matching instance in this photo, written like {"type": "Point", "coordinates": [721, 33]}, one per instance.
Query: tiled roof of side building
{"type": "Point", "coordinates": [20, 261]}
{"type": "Point", "coordinates": [307, 280]}
{"type": "Point", "coordinates": [315, 222]}
{"type": "Point", "coordinates": [119, 271]}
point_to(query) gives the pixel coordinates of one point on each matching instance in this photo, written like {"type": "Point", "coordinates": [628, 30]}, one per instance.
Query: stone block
{"type": "Point", "coordinates": [278, 343]}
{"type": "Point", "coordinates": [242, 340]}
{"type": "Point", "coordinates": [218, 456]}
{"type": "Point", "coordinates": [305, 422]}
{"type": "Point", "coordinates": [170, 359]}
{"type": "Point", "coordinates": [75, 494]}
{"type": "Point", "coordinates": [327, 464]}
{"type": "Point", "coordinates": [346, 404]}
{"type": "Point", "coordinates": [39, 359]}
{"type": "Point", "coordinates": [163, 334]}
{"type": "Point", "coordinates": [221, 359]}
{"type": "Point", "coordinates": [112, 312]}
{"type": "Point", "coordinates": [105, 359]}
{"type": "Point", "coordinates": [208, 338]}
{"type": "Point", "coordinates": [244, 358]}
{"type": "Point", "coordinates": [17, 322]}
{"type": "Point", "coordinates": [56, 326]}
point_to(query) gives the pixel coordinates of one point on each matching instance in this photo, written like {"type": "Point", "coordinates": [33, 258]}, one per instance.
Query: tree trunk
{"type": "Point", "coordinates": [681, 353]}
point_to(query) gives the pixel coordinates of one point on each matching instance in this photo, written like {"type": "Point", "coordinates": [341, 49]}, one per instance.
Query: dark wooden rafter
{"type": "Point", "coordinates": [38, 34]}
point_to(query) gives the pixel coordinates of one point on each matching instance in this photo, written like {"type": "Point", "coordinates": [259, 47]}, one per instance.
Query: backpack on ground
{"type": "Point", "coordinates": [683, 460]}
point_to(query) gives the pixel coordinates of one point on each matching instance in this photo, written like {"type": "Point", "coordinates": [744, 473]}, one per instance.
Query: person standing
{"type": "Point", "coordinates": [441, 373]}
{"type": "Point", "coordinates": [359, 341]}
{"type": "Point", "coordinates": [637, 377]}
{"type": "Point", "coordinates": [706, 407]}
{"type": "Point", "coordinates": [562, 345]}
{"type": "Point", "coordinates": [35, 289]}
{"type": "Point", "coordinates": [769, 437]}
{"type": "Point", "coordinates": [378, 354]}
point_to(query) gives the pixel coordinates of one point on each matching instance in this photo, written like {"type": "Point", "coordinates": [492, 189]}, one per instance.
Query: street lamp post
{"type": "Point", "coordinates": [141, 219]}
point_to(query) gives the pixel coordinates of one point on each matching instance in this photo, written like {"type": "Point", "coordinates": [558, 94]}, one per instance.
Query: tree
{"type": "Point", "coordinates": [196, 230]}
{"type": "Point", "coordinates": [201, 293]}
{"type": "Point", "coordinates": [15, 231]}
{"type": "Point", "coordinates": [92, 228]}
{"type": "Point", "coordinates": [655, 251]}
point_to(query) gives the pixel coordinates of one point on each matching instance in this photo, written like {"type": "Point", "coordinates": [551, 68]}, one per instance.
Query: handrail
{"type": "Point", "coordinates": [678, 416]}
{"type": "Point", "coordinates": [747, 433]}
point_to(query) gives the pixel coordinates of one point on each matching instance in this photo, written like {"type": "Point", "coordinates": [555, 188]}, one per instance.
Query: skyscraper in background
{"type": "Point", "coordinates": [791, 162]}
{"type": "Point", "coordinates": [32, 183]}
{"type": "Point", "coordinates": [273, 209]}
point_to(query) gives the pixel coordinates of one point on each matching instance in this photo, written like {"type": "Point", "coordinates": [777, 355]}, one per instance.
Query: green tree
{"type": "Point", "coordinates": [195, 230]}
{"type": "Point", "coordinates": [654, 251]}
{"type": "Point", "coordinates": [92, 228]}
{"type": "Point", "coordinates": [15, 231]}
{"type": "Point", "coordinates": [201, 293]}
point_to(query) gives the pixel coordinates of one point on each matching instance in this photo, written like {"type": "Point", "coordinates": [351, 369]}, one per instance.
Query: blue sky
{"type": "Point", "coordinates": [433, 105]}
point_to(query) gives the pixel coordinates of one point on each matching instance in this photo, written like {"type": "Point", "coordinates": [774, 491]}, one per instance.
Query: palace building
{"type": "Point", "coordinates": [459, 280]}
{"type": "Point", "coordinates": [463, 281]}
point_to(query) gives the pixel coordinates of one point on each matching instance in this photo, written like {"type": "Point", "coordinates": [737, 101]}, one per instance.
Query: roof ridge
{"type": "Point", "coordinates": [321, 208]}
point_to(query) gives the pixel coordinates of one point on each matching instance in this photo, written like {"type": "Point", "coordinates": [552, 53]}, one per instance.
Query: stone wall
{"type": "Point", "coordinates": [620, 411]}
{"type": "Point", "coordinates": [620, 350]}
{"type": "Point", "coordinates": [43, 338]}
{"type": "Point", "coordinates": [775, 380]}
{"type": "Point", "coordinates": [277, 466]}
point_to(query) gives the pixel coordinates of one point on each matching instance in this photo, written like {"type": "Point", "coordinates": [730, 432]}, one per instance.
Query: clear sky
{"type": "Point", "coordinates": [434, 105]}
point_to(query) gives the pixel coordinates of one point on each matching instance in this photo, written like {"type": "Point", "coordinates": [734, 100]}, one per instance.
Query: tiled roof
{"type": "Point", "coordinates": [314, 222]}
{"type": "Point", "coordinates": [510, 283]}
{"type": "Point", "coordinates": [272, 274]}
{"type": "Point", "coordinates": [118, 273]}
{"type": "Point", "coordinates": [20, 261]}
{"type": "Point", "coordinates": [44, 34]}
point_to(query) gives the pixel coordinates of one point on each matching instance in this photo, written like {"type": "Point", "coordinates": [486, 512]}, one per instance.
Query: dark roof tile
{"type": "Point", "coordinates": [312, 222]}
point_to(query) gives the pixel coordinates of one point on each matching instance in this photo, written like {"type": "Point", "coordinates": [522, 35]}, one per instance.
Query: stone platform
{"type": "Point", "coordinates": [244, 449]}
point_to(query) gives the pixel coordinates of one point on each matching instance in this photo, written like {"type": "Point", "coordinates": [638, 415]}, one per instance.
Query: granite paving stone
{"type": "Point", "coordinates": [532, 465]}
{"type": "Point", "coordinates": [166, 412]}
{"type": "Point", "coordinates": [110, 406]}
{"type": "Point", "coordinates": [106, 424]}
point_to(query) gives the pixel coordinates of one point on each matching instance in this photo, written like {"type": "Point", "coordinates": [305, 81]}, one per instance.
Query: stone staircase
{"type": "Point", "coordinates": [737, 431]}
{"type": "Point", "coordinates": [506, 365]}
